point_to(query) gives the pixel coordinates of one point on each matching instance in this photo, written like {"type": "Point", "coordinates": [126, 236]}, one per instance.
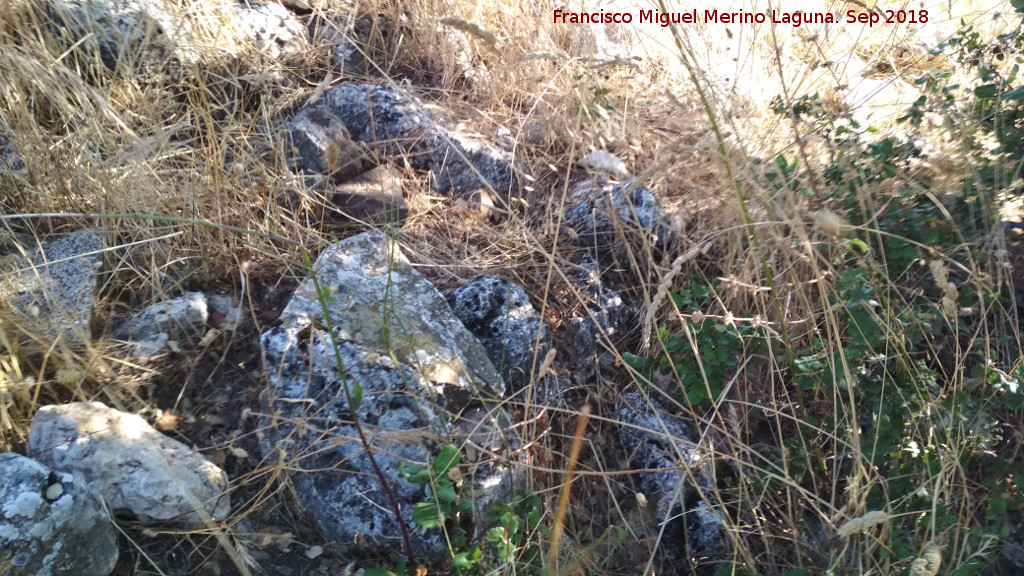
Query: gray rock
{"type": "Point", "coordinates": [50, 294]}
{"type": "Point", "coordinates": [153, 35]}
{"type": "Point", "coordinates": [228, 308]}
{"type": "Point", "coordinates": [606, 163]}
{"type": "Point", "coordinates": [333, 477]}
{"type": "Point", "coordinates": [379, 115]}
{"type": "Point", "coordinates": [9, 157]}
{"type": "Point", "coordinates": [348, 40]}
{"type": "Point", "coordinates": [602, 318]}
{"type": "Point", "coordinates": [660, 445]}
{"type": "Point", "coordinates": [149, 330]}
{"type": "Point", "coordinates": [271, 27]}
{"type": "Point", "coordinates": [398, 125]}
{"type": "Point", "coordinates": [661, 448]}
{"type": "Point", "coordinates": [323, 145]}
{"type": "Point", "coordinates": [605, 210]}
{"type": "Point", "coordinates": [380, 301]}
{"type": "Point", "coordinates": [501, 316]}
{"type": "Point", "coordinates": [705, 538]}
{"type": "Point", "coordinates": [394, 337]}
{"type": "Point", "coordinates": [50, 523]}
{"type": "Point", "coordinates": [123, 458]}
{"type": "Point", "coordinates": [459, 163]}
{"type": "Point", "coordinates": [144, 32]}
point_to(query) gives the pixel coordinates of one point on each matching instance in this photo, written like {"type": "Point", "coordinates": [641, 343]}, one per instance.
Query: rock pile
{"type": "Point", "coordinates": [369, 366]}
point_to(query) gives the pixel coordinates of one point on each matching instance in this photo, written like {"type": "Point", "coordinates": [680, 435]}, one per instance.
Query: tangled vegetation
{"type": "Point", "coordinates": [839, 313]}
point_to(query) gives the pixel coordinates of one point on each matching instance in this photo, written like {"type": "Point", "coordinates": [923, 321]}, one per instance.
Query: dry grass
{"type": "Point", "coordinates": [142, 154]}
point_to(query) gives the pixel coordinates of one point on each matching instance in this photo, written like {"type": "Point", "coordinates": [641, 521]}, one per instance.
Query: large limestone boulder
{"type": "Point", "coordinates": [51, 523]}
{"type": "Point", "coordinates": [379, 343]}
{"type": "Point", "coordinates": [132, 465]}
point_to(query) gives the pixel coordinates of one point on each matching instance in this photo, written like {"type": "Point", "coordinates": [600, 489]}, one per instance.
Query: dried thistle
{"type": "Point", "coordinates": [862, 523]}
{"type": "Point", "coordinates": [929, 562]}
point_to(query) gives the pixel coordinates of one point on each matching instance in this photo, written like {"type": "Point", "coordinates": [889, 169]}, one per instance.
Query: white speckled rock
{"type": "Point", "coordinates": [370, 280]}
{"type": "Point", "coordinates": [50, 523]}
{"type": "Point", "coordinates": [132, 465]}
{"type": "Point", "coordinates": [51, 292]}
{"type": "Point", "coordinates": [154, 32]}
{"type": "Point", "coordinates": [151, 328]}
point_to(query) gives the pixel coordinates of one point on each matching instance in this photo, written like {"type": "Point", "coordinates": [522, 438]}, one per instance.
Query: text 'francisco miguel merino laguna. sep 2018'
{"type": "Point", "coordinates": [795, 18]}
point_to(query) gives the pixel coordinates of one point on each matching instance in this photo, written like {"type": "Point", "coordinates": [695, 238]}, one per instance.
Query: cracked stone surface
{"type": "Point", "coordinates": [50, 523]}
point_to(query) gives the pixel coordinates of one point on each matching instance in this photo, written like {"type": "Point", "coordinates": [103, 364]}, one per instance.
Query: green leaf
{"type": "Point", "coordinates": [988, 91]}
{"type": "Point", "coordinates": [697, 395]}
{"type": "Point", "coordinates": [682, 298]}
{"type": "Point", "coordinates": [780, 161]}
{"type": "Point", "coordinates": [1015, 94]}
{"type": "Point", "coordinates": [971, 567]}
{"type": "Point", "coordinates": [445, 492]}
{"type": "Point", "coordinates": [415, 474]}
{"type": "Point", "coordinates": [447, 459]}
{"type": "Point", "coordinates": [357, 395]}
{"type": "Point", "coordinates": [463, 560]}
{"type": "Point", "coordinates": [495, 536]}
{"type": "Point", "coordinates": [633, 361]}
{"type": "Point", "coordinates": [533, 518]}
{"type": "Point", "coordinates": [1013, 401]}
{"type": "Point", "coordinates": [859, 245]}
{"type": "Point", "coordinates": [996, 507]}
{"type": "Point", "coordinates": [427, 515]}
